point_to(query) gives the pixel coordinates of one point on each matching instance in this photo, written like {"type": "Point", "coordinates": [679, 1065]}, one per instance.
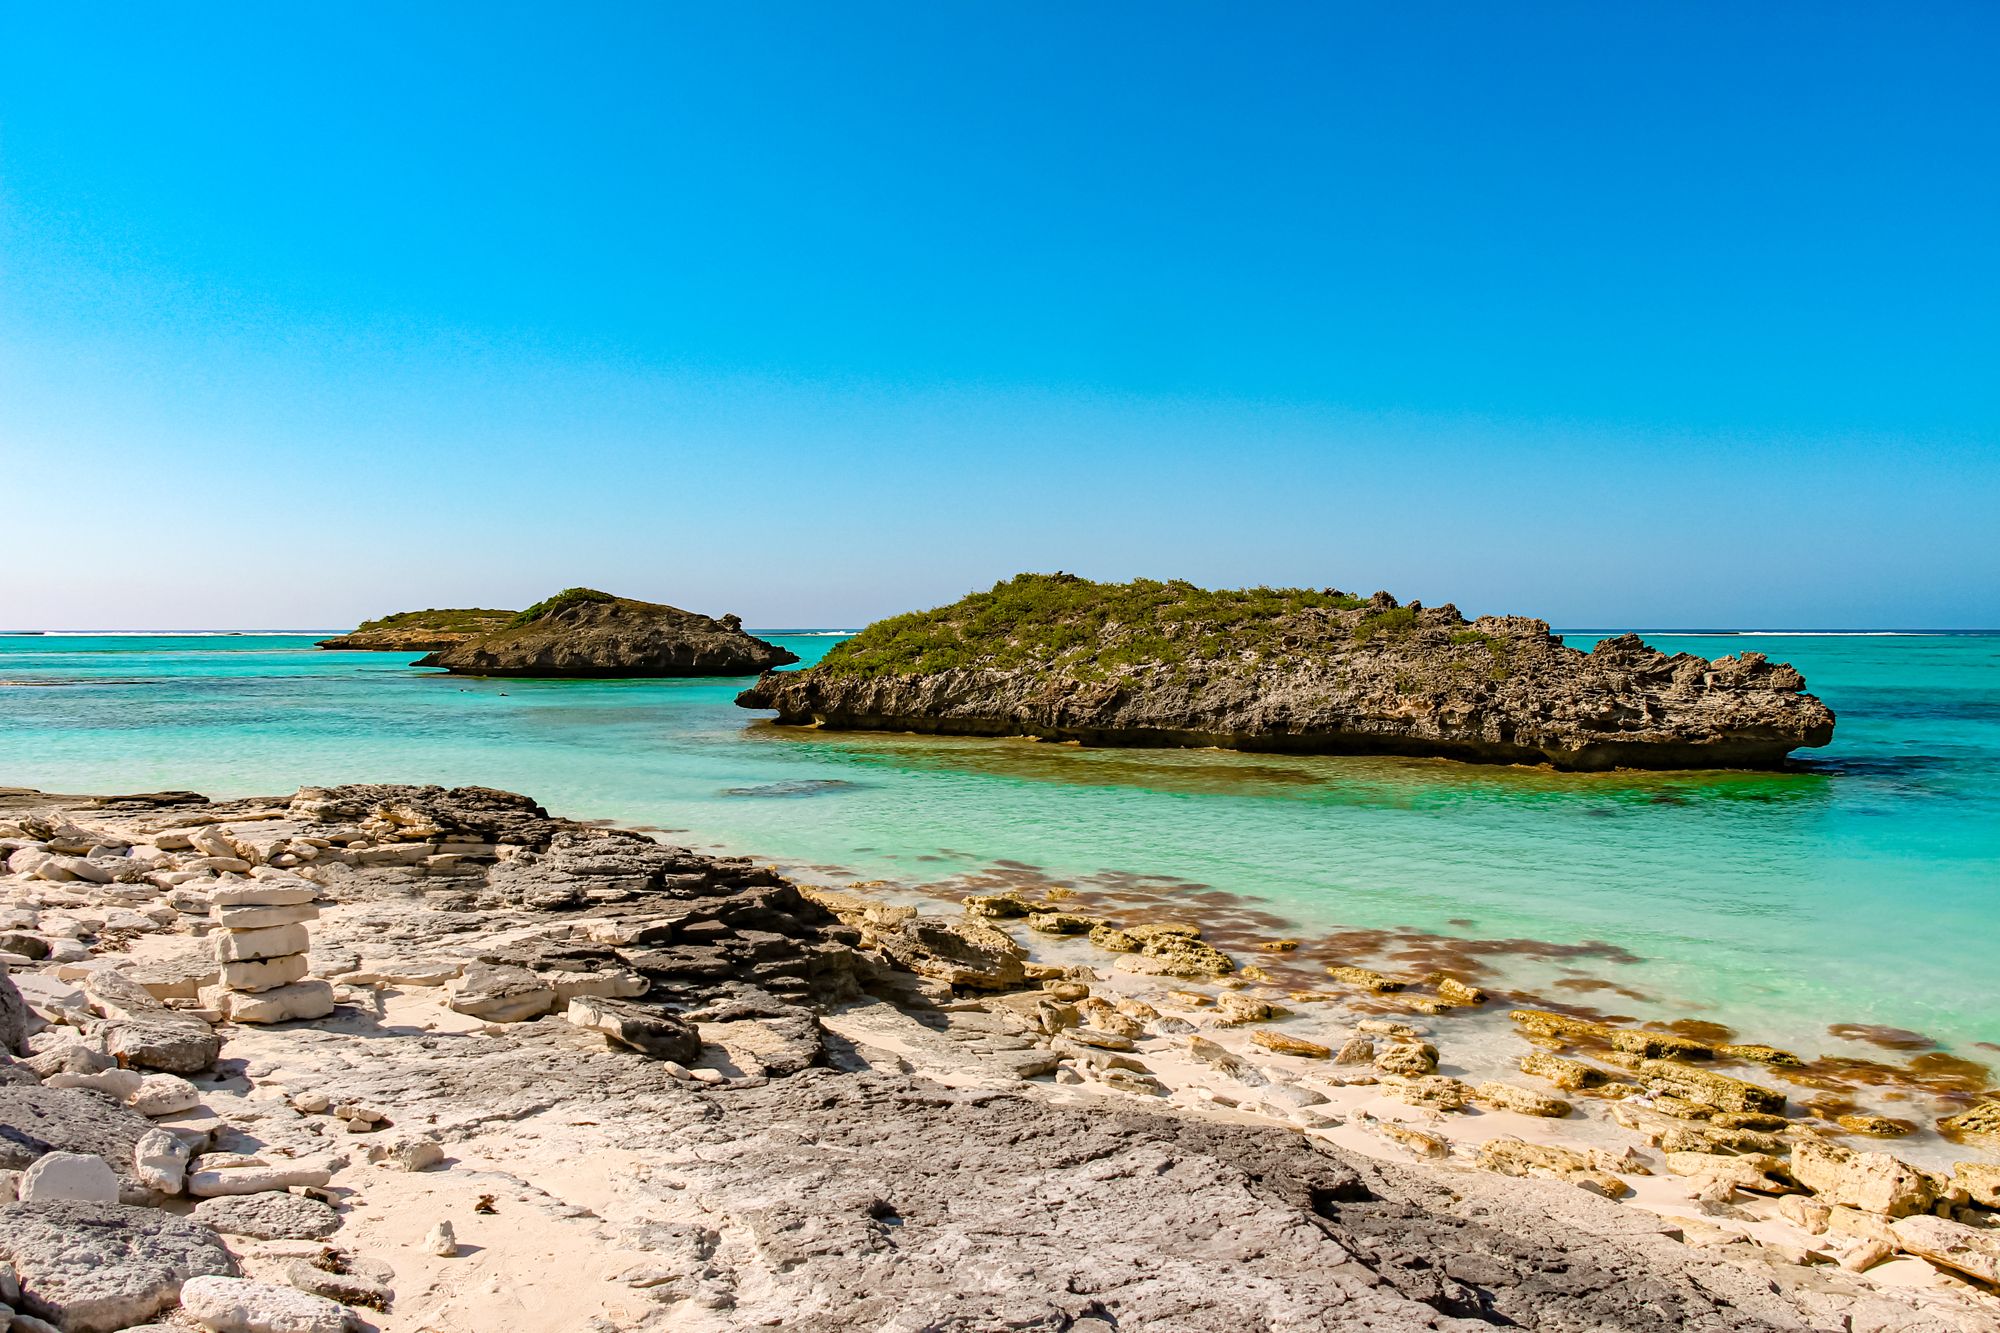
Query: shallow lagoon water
{"type": "Point", "coordinates": [1863, 888]}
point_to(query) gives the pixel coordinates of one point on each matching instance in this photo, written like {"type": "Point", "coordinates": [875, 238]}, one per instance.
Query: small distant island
{"type": "Point", "coordinates": [420, 631]}
{"type": "Point", "coordinates": [1058, 657]}
{"type": "Point", "coordinates": [584, 632]}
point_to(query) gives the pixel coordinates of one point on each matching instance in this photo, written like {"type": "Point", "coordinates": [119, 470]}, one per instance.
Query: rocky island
{"type": "Point", "coordinates": [584, 632]}
{"type": "Point", "coordinates": [420, 631]}
{"type": "Point", "coordinates": [1148, 663]}
{"type": "Point", "coordinates": [568, 1077]}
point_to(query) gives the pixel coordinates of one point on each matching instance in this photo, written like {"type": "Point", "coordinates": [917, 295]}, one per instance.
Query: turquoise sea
{"type": "Point", "coordinates": [1862, 889]}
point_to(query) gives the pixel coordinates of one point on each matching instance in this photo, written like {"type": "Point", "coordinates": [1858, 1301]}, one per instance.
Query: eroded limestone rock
{"type": "Point", "coordinates": [99, 1267]}
{"type": "Point", "coordinates": [1974, 1251]}
{"type": "Point", "coordinates": [963, 953]}
{"type": "Point", "coordinates": [1507, 1097]}
{"type": "Point", "coordinates": [1874, 1182]}
{"type": "Point", "coordinates": [237, 1305]}
{"type": "Point", "coordinates": [268, 1215]}
{"type": "Point", "coordinates": [500, 994]}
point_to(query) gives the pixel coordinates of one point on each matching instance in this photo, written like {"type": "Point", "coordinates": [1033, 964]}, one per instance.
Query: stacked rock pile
{"type": "Point", "coordinates": [261, 949]}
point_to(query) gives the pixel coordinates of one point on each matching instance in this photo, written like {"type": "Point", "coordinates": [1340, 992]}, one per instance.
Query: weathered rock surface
{"type": "Point", "coordinates": [160, 1161]}
{"type": "Point", "coordinates": [1974, 1251]}
{"type": "Point", "coordinates": [500, 994]}
{"type": "Point", "coordinates": [1167, 664]}
{"type": "Point", "coordinates": [208, 1179]}
{"type": "Point", "coordinates": [919, 1210]}
{"type": "Point", "coordinates": [660, 1035]}
{"type": "Point", "coordinates": [282, 1004]}
{"type": "Point", "coordinates": [13, 1016]}
{"type": "Point", "coordinates": [270, 1215]}
{"type": "Point", "coordinates": [396, 812]}
{"type": "Point", "coordinates": [582, 633]}
{"type": "Point", "coordinates": [98, 1267]}
{"type": "Point", "coordinates": [1874, 1182]}
{"type": "Point", "coordinates": [962, 953]}
{"type": "Point", "coordinates": [237, 1305]}
{"type": "Point", "coordinates": [36, 1121]}
{"type": "Point", "coordinates": [69, 1177]}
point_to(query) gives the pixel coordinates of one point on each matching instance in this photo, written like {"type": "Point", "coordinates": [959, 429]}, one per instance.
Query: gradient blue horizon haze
{"type": "Point", "coordinates": [1648, 314]}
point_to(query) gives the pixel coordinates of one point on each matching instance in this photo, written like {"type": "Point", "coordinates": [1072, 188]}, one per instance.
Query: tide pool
{"type": "Point", "coordinates": [1863, 889]}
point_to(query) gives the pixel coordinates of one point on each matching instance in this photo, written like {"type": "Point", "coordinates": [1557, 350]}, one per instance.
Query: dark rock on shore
{"type": "Point", "coordinates": [583, 632]}
{"type": "Point", "coordinates": [36, 1121]}
{"type": "Point", "coordinates": [1060, 658]}
{"type": "Point", "coordinates": [395, 812]}
{"type": "Point", "coordinates": [420, 631]}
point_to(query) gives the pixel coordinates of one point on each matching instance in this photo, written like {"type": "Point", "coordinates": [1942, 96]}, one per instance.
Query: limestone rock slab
{"type": "Point", "coordinates": [261, 974]}
{"type": "Point", "coordinates": [238, 1305]}
{"type": "Point", "coordinates": [268, 1215]}
{"type": "Point", "coordinates": [99, 1267]}
{"type": "Point", "coordinates": [282, 1004]}
{"type": "Point", "coordinates": [69, 1177]}
{"type": "Point", "coordinates": [236, 946]}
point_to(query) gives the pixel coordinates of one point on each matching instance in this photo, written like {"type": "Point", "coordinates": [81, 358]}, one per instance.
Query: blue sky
{"type": "Point", "coordinates": [1666, 314]}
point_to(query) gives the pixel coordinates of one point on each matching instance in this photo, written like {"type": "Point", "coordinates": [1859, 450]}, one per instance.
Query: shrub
{"type": "Point", "coordinates": [1087, 627]}
{"type": "Point", "coordinates": [464, 619]}
{"type": "Point", "coordinates": [1394, 622]}
{"type": "Point", "coordinates": [568, 597]}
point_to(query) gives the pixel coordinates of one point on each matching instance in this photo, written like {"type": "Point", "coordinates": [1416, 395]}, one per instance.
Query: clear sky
{"type": "Point", "coordinates": [1654, 314]}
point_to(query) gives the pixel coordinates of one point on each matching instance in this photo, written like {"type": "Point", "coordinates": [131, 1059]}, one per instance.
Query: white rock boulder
{"type": "Point", "coordinates": [69, 1177]}
{"type": "Point", "coordinates": [238, 1305]}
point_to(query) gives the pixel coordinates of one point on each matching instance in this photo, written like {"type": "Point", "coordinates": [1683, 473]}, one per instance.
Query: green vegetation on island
{"type": "Point", "coordinates": [549, 606]}
{"type": "Point", "coordinates": [585, 632]}
{"type": "Point", "coordinates": [1166, 663]}
{"type": "Point", "coordinates": [1083, 627]}
{"type": "Point", "coordinates": [454, 620]}
{"type": "Point", "coordinates": [420, 631]}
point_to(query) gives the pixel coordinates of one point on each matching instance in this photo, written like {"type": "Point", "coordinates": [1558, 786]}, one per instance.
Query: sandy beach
{"type": "Point", "coordinates": [880, 1117]}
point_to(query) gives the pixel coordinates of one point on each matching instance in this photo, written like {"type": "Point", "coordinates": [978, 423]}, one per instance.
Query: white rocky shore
{"type": "Point", "coordinates": [510, 1072]}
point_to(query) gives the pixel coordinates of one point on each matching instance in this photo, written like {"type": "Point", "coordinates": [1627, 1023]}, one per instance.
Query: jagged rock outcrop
{"type": "Point", "coordinates": [582, 632]}
{"type": "Point", "coordinates": [1147, 663]}
{"type": "Point", "coordinates": [420, 631]}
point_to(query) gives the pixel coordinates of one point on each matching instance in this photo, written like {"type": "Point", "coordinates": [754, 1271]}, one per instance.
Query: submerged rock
{"type": "Point", "coordinates": [583, 632]}
{"type": "Point", "coordinates": [1147, 663]}
{"type": "Point", "coordinates": [1710, 1088]}
{"type": "Point", "coordinates": [1981, 1121]}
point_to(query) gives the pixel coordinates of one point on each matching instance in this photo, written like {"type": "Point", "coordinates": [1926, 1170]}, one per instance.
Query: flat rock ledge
{"type": "Point", "coordinates": [99, 1267]}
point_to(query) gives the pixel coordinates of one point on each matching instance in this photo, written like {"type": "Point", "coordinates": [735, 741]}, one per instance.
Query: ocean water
{"type": "Point", "coordinates": [1862, 889]}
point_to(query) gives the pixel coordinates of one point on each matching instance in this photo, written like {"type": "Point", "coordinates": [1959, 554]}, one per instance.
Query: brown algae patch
{"type": "Point", "coordinates": [1888, 1038]}
{"type": "Point", "coordinates": [1417, 962]}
